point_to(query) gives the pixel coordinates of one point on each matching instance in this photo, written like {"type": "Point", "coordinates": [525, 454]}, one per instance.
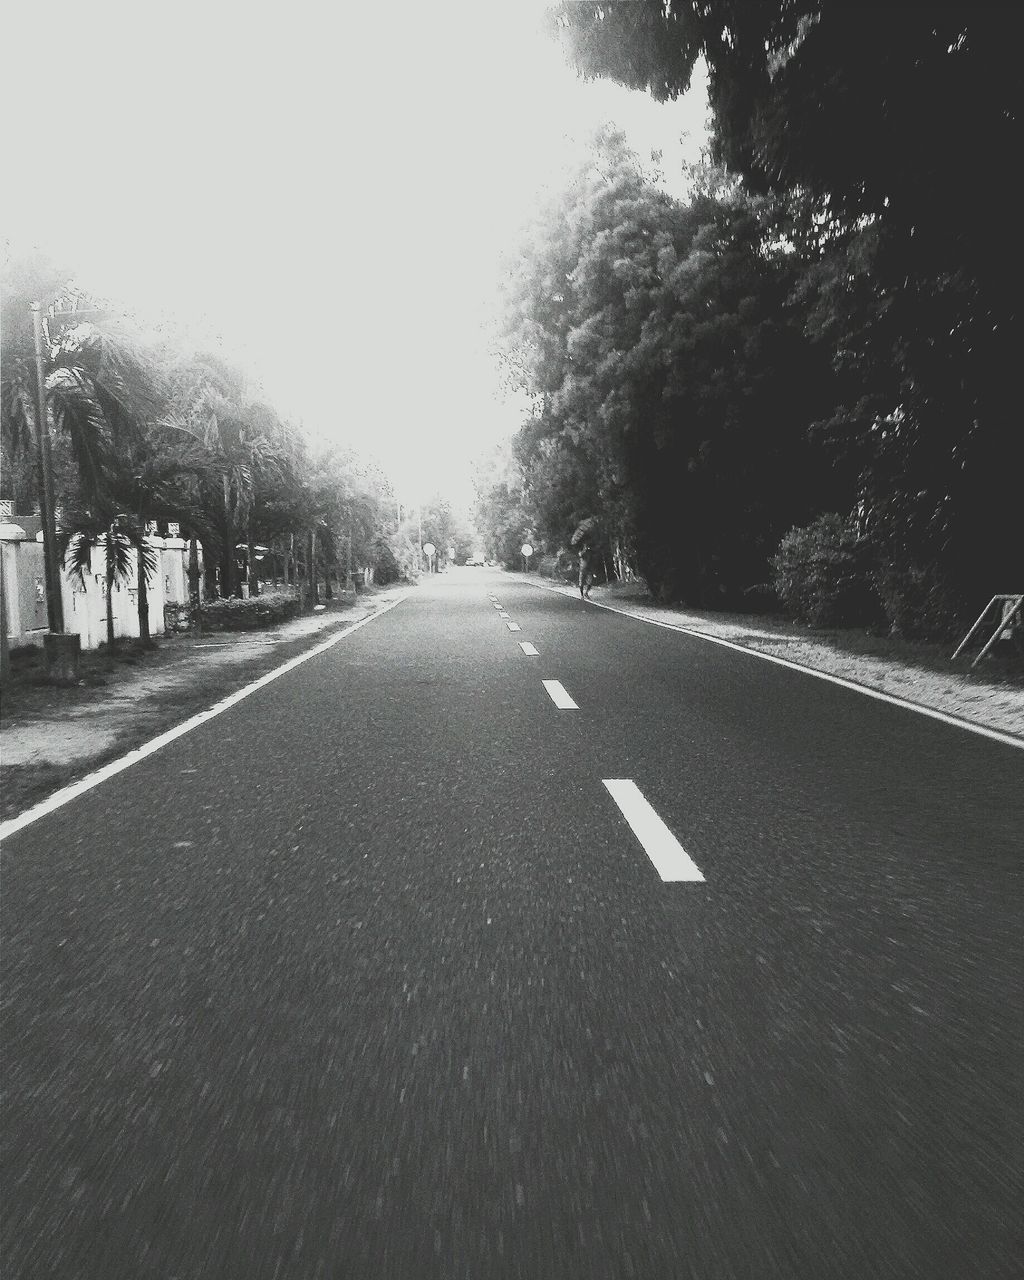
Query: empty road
{"type": "Point", "coordinates": [510, 937]}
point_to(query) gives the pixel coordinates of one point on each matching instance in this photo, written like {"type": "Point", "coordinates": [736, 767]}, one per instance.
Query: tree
{"type": "Point", "coordinates": [672, 379]}
{"type": "Point", "coordinates": [859, 124]}
{"type": "Point", "coordinates": [123, 545]}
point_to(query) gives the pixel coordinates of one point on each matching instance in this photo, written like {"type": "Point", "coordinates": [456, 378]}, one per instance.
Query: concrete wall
{"type": "Point", "coordinates": [24, 590]}
{"type": "Point", "coordinates": [85, 608]}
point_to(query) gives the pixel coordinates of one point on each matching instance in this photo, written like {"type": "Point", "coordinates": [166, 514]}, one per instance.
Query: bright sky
{"type": "Point", "coordinates": [328, 188]}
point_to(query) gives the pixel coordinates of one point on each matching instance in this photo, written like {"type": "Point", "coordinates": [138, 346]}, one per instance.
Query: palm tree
{"type": "Point", "coordinates": [122, 544]}
{"type": "Point", "coordinates": [248, 444]}
{"type": "Point", "coordinates": [158, 483]}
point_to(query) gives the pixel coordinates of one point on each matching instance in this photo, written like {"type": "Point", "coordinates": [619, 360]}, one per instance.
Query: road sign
{"type": "Point", "coordinates": [429, 548]}
{"type": "Point", "coordinates": [527, 550]}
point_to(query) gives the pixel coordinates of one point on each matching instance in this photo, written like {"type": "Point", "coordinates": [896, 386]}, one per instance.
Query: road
{"type": "Point", "coordinates": [370, 975]}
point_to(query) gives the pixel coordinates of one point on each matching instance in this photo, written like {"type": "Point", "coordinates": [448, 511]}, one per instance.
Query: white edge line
{"type": "Point", "coordinates": [75, 789]}
{"type": "Point", "coordinates": [997, 735]}
{"type": "Point", "coordinates": [670, 859]}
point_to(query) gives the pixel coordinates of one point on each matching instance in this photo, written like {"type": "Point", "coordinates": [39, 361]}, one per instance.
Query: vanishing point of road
{"type": "Point", "coordinates": [509, 937]}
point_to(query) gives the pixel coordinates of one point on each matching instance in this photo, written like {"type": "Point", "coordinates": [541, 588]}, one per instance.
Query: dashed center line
{"type": "Point", "coordinates": [664, 850]}
{"type": "Point", "coordinates": [513, 626]}
{"type": "Point", "coordinates": [558, 695]}
{"type": "Point", "coordinates": [528, 649]}
{"type": "Point", "coordinates": [504, 615]}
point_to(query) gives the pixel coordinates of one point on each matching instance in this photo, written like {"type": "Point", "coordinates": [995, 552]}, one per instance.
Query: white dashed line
{"type": "Point", "coordinates": [504, 615]}
{"type": "Point", "coordinates": [669, 857]}
{"type": "Point", "coordinates": [496, 605]}
{"type": "Point", "coordinates": [513, 626]}
{"type": "Point", "coordinates": [528, 649]}
{"type": "Point", "coordinates": [997, 735]}
{"type": "Point", "coordinates": [558, 695]}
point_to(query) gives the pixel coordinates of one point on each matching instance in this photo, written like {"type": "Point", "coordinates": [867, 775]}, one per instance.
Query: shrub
{"type": "Point", "coordinates": [253, 614]}
{"type": "Point", "coordinates": [822, 574]}
{"type": "Point", "coordinates": [386, 568]}
{"type": "Point", "coordinates": [916, 602]}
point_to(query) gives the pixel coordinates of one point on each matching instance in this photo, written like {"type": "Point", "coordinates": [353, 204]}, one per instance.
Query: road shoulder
{"type": "Point", "coordinates": [50, 741]}
{"type": "Point", "coordinates": [973, 699]}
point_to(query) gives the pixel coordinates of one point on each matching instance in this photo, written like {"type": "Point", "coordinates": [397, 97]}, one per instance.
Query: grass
{"type": "Point", "coordinates": [1005, 665]}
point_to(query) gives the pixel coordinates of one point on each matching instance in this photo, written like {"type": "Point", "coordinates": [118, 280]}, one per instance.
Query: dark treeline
{"type": "Point", "coordinates": [799, 379]}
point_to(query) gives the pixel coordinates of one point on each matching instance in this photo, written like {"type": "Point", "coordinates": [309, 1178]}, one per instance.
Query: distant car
{"type": "Point", "coordinates": [474, 560]}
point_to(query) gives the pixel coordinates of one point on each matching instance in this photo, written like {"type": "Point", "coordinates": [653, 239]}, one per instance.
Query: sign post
{"type": "Point", "coordinates": [428, 550]}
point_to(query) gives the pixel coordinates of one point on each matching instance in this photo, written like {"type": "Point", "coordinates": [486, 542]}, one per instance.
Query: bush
{"type": "Point", "coordinates": [386, 568]}
{"type": "Point", "coordinates": [917, 604]}
{"type": "Point", "coordinates": [823, 574]}
{"type": "Point", "coordinates": [253, 614]}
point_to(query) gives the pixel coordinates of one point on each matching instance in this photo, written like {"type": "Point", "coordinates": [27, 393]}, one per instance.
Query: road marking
{"type": "Point", "coordinates": [528, 649]}
{"type": "Point", "coordinates": [498, 606]}
{"type": "Point", "coordinates": [558, 695]}
{"type": "Point", "coordinates": [504, 615]}
{"type": "Point", "coordinates": [664, 850]}
{"type": "Point", "coordinates": [997, 735]}
{"type": "Point", "coordinates": [66, 794]}
{"type": "Point", "coordinates": [513, 626]}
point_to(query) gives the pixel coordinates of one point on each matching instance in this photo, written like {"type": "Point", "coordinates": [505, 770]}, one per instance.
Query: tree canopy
{"type": "Point", "coordinates": [849, 295]}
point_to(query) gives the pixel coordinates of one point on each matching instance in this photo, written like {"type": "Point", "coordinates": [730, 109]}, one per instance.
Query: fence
{"type": "Point", "coordinates": [85, 603]}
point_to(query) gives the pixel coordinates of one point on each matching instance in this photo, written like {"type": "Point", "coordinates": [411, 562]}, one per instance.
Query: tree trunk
{"type": "Point", "coordinates": [143, 596]}
{"type": "Point", "coordinates": [194, 598]}
{"type": "Point", "coordinates": [110, 593]}
{"type": "Point", "coordinates": [314, 597]}
{"type": "Point", "coordinates": [226, 584]}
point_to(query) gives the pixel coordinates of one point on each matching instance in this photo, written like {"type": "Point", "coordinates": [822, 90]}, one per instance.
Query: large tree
{"type": "Point", "coordinates": [892, 132]}
{"type": "Point", "coordinates": [672, 381]}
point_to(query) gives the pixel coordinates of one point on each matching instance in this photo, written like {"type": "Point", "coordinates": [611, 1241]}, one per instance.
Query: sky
{"type": "Point", "coordinates": [325, 191]}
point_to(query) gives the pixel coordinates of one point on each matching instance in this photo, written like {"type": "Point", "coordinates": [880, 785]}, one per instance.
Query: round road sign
{"type": "Point", "coordinates": [527, 550]}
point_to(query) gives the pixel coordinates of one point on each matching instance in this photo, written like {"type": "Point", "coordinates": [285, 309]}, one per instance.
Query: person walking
{"type": "Point", "coordinates": [586, 572]}
{"type": "Point", "coordinates": [584, 540]}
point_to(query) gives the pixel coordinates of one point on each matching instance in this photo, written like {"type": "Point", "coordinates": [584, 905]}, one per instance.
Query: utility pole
{"type": "Point", "coordinates": [51, 564]}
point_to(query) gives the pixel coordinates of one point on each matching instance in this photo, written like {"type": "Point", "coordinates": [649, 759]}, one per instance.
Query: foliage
{"type": "Point", "coordinates": [918, 603]}
{"type": "Point", "coordinates": [236, 614]}
{"type": "Point", "coordinates": [385, 563]}
{"type": "Point", "coordinates": [822, 573]}
{"type": "Point", "coordinates": [851, 126]}
{"type": "Point", "coordinates": [672, 380]}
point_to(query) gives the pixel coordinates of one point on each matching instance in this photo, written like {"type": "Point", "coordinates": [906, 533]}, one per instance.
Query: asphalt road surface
{"type": "Point", "coordinates": [373, 976]}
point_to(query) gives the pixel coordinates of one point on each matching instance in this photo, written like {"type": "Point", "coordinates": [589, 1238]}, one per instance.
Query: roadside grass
{"type": "Point", "coordinates": [1004, 666]}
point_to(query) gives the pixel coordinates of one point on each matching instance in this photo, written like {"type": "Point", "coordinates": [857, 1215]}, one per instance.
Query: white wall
{"type": "Point", "coordinates": [85, 604]}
